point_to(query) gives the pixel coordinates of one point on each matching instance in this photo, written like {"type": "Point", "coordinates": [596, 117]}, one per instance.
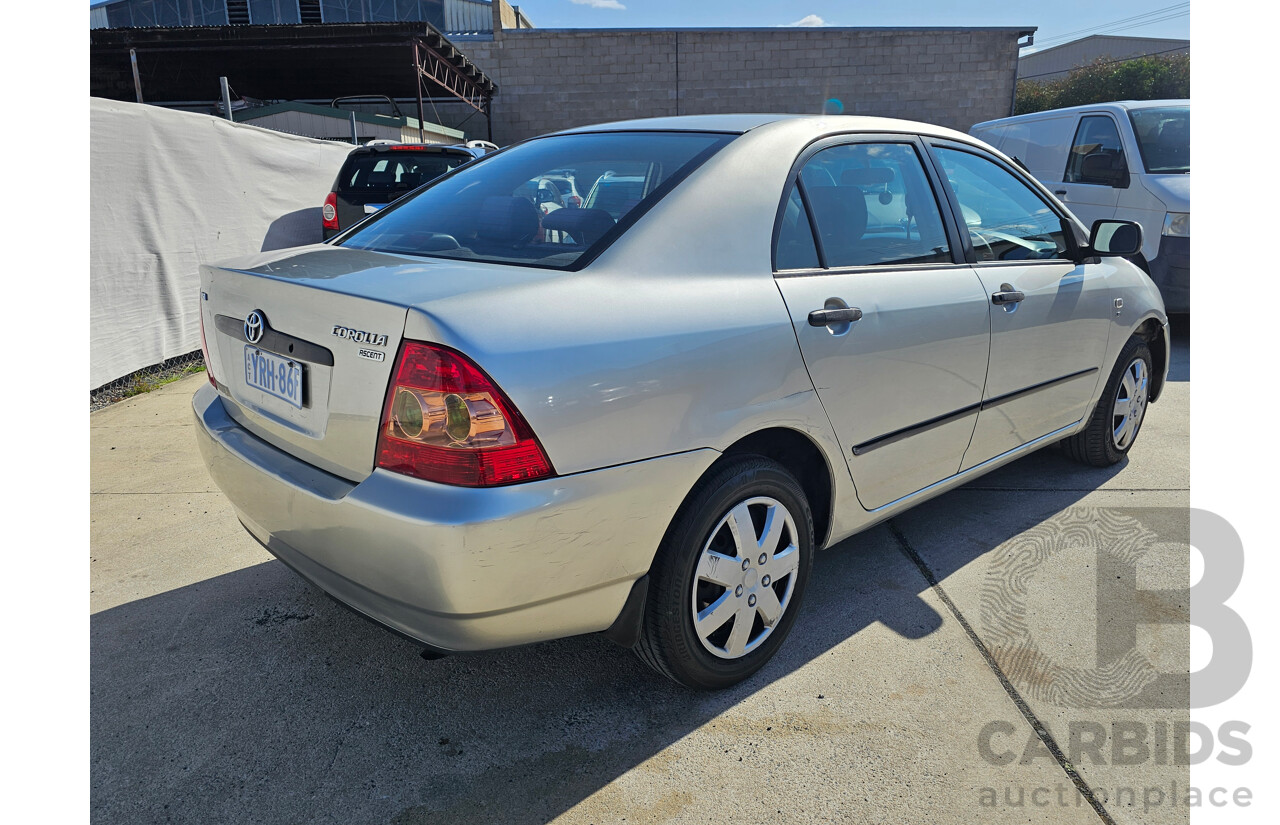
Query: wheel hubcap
{"type": "Point", "coordinates": [745, 577]}
{"type": "Point", "coordinates": [1130, 404]}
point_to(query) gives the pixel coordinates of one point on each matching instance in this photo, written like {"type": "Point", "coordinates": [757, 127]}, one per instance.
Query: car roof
{"type": "Point", "coordinates": [743, 123]}
{"type": "Point", "coordinates": [430, 148]}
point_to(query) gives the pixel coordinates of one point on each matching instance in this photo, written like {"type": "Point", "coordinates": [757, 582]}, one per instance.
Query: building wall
{"type": "Point", "coordinates": [556, 79]}
{"type": "Point", "coordinates": [1057, 62]}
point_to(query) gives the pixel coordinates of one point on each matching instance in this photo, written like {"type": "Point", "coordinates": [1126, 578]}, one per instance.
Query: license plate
{"type": "Point", "coordinates": [273, 375]}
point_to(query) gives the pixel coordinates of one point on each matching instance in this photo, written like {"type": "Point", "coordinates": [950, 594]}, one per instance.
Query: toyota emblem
{"type": "Point", "coordinates": [253, 327]}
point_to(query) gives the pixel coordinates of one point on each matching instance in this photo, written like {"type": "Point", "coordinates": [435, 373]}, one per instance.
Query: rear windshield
{"type": "Point", "coordinates": [513, 207]}
{"type": "Point", "coordinates": [1164, 138]}
{"type": "Point", "coordinates": [388, 172]}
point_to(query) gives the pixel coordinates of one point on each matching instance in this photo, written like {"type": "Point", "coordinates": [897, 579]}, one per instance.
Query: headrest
{"type": "Point", "coordinates": [507, 220]}
{"type": "Point", "coordinates": [585, 225]}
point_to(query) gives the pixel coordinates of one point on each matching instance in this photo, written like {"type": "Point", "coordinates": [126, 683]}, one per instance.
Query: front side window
{"type": "Point", "coordinates": [1164, 138]}
{"type": "Point", "coordinates": [872, 205]}
{"type": "Point", "coordinates": [510, 208]}
{"type": "Point", "coordinates": [1007, 221]}
{"type": "Point", "coordinates": [1097, 156]}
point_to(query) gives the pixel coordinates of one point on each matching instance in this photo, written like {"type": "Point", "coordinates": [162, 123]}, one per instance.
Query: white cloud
{"type": "Point", "coordinates": [807, 20]}
{"type": "Point", "coordinates": [601, 4]}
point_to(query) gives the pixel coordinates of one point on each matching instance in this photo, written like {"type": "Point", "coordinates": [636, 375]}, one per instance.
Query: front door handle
{"type": "Point", "coordinates": [1062, 193]}
{"type": "Point", "coordinates": [1007, 295]}
{"type": "Point", "coordinates": [844, 315]}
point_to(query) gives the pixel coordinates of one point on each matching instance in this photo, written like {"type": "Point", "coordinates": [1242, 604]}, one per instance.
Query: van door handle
{"type": "Point", "coordinates": [823, 317]}
{"type": "Point", "coordinates": [1062, 193]}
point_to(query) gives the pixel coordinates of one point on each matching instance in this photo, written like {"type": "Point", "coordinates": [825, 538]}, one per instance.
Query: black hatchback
{"type": "Point", "coordinates": [375, 175]}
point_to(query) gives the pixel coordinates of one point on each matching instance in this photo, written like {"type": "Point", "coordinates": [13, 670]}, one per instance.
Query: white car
{"type": "Point", "coordinates": [482, 425]}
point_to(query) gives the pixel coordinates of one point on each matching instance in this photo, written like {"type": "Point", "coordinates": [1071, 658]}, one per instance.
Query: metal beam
{"type": "Point", "coordinates": [431, 65]}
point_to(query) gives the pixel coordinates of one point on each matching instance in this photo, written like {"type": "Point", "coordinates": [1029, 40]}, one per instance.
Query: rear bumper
{"type": "Point", "coordinates": [455, 568]}
{"type": "Point", "coordinates": [1171, 271]}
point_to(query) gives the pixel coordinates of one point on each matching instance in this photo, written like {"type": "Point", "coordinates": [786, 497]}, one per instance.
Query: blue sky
{"type": "Point", "coordinates": [1057, 20]}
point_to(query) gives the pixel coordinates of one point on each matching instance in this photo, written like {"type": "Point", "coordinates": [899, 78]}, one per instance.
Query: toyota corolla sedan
{"type": "Point", "coordinates": [482, 424]}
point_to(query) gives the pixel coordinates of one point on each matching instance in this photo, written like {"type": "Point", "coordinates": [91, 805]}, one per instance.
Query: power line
{"type": "Point", "coordinates": [1094, 28]}
{"type": "Point", "coordinates": [1159, 15]}
{"type": "Point", "coordinates": [1149, 22]}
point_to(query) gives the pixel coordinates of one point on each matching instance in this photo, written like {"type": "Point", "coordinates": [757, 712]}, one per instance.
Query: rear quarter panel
{"type": "Point", "coordinates": [675, 339]}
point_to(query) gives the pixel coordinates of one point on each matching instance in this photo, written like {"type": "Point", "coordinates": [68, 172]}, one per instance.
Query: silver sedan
{"type": "Point", "coordinates": [484, 423]}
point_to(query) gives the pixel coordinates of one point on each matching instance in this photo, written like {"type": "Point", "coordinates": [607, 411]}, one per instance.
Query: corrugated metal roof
{"type": "Point", "coordinates": [247, 115]}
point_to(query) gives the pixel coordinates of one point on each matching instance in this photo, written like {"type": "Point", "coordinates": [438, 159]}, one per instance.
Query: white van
{"type": "Point", "coordinates": [1130, 160]}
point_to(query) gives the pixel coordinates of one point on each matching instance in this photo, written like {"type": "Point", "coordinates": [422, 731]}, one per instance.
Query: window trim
{"type": "Point", "coordinates": [954, 236]}
{"type": "Point", "coordinates": [1073, 232]}
{"type": "Point", "coordinates": [1071, 150]}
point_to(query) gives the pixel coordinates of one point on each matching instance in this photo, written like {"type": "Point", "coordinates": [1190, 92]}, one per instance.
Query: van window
{"type": "Point", "coordinates": [873, 205]}
{"type": "Point", "coordinates": [1007, 221]}
{"type": "Point", "coordinates": [1164, 138]}
{"type": "Point", "coordinates": [1096, 135]}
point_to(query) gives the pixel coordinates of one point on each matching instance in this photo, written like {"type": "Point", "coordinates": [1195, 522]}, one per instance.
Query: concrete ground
{"type": "Point", "coordinates": [999, 654]}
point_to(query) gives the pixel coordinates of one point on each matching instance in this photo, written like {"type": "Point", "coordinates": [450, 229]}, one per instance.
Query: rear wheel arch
{"type": "Point", "coordinates": [803, 459]}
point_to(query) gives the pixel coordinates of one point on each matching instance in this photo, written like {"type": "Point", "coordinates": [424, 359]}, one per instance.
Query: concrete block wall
{"type": "Point", "coordinates": [556, 79]}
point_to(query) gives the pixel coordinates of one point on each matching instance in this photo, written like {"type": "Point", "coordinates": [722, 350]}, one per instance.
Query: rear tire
{"type": "Point", "coordinates": [727, 581]}
{"type": "Point", "coordinates": [1113, 427]}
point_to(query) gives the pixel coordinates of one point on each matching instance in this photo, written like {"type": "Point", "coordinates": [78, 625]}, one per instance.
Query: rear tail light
{"type": "Point", "coordinates": [204, 347]}
{"type": "Point", "coordinates": [330, 211]}
{"type": "Point", "coordinates": [445, 421]}
{"type": "Point", "coordinates": [574, 200]}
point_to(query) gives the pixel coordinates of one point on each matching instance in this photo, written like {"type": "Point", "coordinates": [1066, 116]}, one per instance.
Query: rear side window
{"type": "Point", "coordinates": [389, 172]}
{"type": "Point", "coordinates": [1096, 135]}
{"type": "Point", "coordinates": [514, 208]}
{"type": "Point", "coordinates": [796, 249]}
{"type": "Point", "coordinates": [873, 206]}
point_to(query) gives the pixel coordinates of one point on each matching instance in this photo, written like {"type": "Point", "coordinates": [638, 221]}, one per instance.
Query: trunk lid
{"type": "Point", "coordinates": [339, 315]}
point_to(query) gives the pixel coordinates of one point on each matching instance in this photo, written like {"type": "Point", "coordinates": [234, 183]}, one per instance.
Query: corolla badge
{"type": "Point", "coordinates": [360, 336]}
{"type": "Point", "coordinates": [253, 327]}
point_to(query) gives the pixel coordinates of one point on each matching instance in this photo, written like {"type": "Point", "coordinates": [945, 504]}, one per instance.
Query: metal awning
{"type": "Point", "coordinates": [292, 62]}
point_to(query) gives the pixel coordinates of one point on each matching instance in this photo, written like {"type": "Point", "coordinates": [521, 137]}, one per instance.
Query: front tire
{"type": "Point", "coordinates": [1113, 427]}
{"type": "Point", "coordinates": [727, 581]}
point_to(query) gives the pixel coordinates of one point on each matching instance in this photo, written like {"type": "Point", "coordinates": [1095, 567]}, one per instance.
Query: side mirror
{"type": "Point", "coordinates": [1106, 169]}
{"type": "Point", "coordinates": [1110, 238]}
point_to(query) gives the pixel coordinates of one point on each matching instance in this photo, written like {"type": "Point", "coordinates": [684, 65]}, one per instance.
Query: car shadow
{"type": "Point", "coordinates": [298, 228]}
{"type": "Point", "coordinates": [252, 696]}
{"type": "Point", "coordinates": [1180, 340]}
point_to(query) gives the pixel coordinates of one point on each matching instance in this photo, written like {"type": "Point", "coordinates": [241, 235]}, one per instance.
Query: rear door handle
{"type": "Point", "coordinates": [823, 317]}
{"type": "Point", "coordinates": [1007, 295]}
{"type": "Point", "coordinates": [1062, 193]}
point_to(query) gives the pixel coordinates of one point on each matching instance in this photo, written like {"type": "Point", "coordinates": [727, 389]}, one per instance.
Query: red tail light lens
{"type": "Point", "coordinates": [445, 421]}
{"type": "Point", "coordinates": [204, 347]}
{"type": "Point", "coordinates": [330, 211]}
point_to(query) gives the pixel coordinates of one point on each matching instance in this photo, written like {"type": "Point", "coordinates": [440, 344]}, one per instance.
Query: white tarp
{"type": "Point", "coordinates": [170, 190]}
